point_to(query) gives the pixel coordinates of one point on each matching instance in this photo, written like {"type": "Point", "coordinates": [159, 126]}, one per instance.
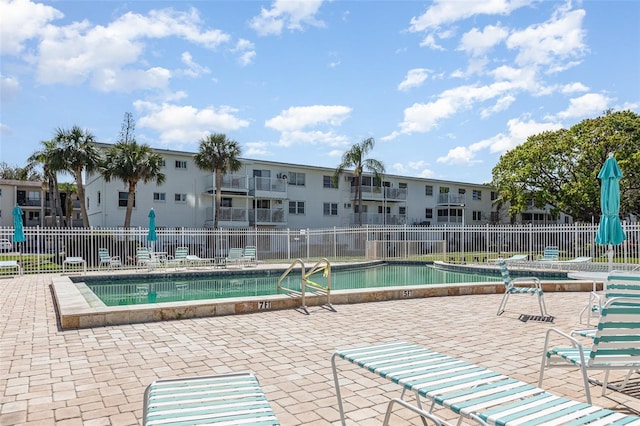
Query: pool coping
{"type": "Point", "coordinates": [75, 311]}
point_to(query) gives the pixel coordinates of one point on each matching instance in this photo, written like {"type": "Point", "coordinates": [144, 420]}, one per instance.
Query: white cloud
{"type": "Point", "coordinates": [186, 124]}
{"type": "Point", "coordinates": [501, 105]}
{"type": "Point", "coordinates": [297, 118]}
{"type": "Point", "coordinates": [518, 132]}
{"type": "Point", "coordinates": [412, 168]}
{"type": "Point", "coordinates": [449, 11]}
{"type": "Point", "coordinates": [430, 42]}
{"type": "Point", "coordinates": [4, 129]}
{"type": "Point", "coordinates": [574, 87]}
{"type": "Point", "coordinates": [193, 68]}
{"type": "Point", "coordinates": [551, 43]}
{"type": "Point", "coordinates": [586, 105]}
{"type": "Point", "coordinates": [110, 56]}
{"type": "Point", "coordinates": [414, 78]}
{"type": "Point", "coordinates": [289, 14]}
{"type": "Point", "coordinates": [9, 87]}
{"type": "Point", "coordinates": [299, 125]}
{"type": "Point", "coordinates": [245, 50]}
{"type": "Point", "coordinates": [22, 20]}
{"type": "Point", "coordinates": [256, 149]}
{"type": "Point", "coordinates": [477, 42]}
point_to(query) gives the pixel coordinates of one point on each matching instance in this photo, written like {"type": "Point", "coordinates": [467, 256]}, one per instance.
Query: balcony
{"type": "Point", "coordinates": [378, 219]}
{"type": "Point", "coordinates": [230, 184]}
{"type": "Point", "coordinates": [270, 188]}
{"type": "Point", "coordinates": [267, 216]}
{"type": "Point", "coordinates": [371, 193]}
{"type": "Point", "coordinates": [449, 199]}
{"type": "Point", "coordinates": [30, 202]}
{"type": "Point", "coordinates": [228, 216]}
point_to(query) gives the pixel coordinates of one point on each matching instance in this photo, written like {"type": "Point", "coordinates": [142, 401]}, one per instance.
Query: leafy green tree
{"type": "Point", "coordinates": [51, 158]}
{"type": "Point", "coordinates": [218, 155]}
{"type": "Point", "coordinates": [80, 154]}
{"type": "Point", "coordinates": [131, 163]}
{"type": "Point", "coordinates": [560, 168]}
{"type": "Point", "coordinates": [19, 173]}
{"type": "Point", "coordinates": [355, 158]}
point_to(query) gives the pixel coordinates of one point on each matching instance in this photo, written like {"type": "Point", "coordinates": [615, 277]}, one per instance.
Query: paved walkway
{"type": "Point", "coordinates": [98, 376]}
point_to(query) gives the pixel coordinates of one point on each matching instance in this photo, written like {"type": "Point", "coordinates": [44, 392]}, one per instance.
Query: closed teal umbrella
{"type": "Point", "coordinates": [151, 236]}
{"type": "Point", "coordinates": [18, 231]}
{"type": "Point", "coordinates": [610, 230]}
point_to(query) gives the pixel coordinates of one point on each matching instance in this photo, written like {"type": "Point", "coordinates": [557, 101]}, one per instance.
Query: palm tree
{"type": "Point", "coordinates": [356, 157]}
{"type": "Point", "coordinates": [132, 163]}
{"type": "Point", "coordinates": [218, 155]}
{"type": "Point", "coordinates": [81, 155]}
{"type": "Point", "coordinates": [69, 191]}
{"type": "Point", "coordinates": [51, 157]}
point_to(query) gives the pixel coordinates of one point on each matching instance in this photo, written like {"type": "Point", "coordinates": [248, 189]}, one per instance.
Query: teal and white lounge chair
{"type": "Point", "coordinates": [145, 259]}
{"type": "Point", "coordinates": [107, 260]}
{"type": "Point", "coordinates": [470, 391]}
{"type": "Point", "coordinates": [249, 255]}
{"type": "Point", "coordinates": [230, 399]}
{"type": "Point", "coordinates": [234, 257]}
{"type": "Point", "coordinates": [615, 345]}
{"type": "Point", "coordinates": [517, 258]}
{"type": "Point", "coordinates": [179, 258]}
{"type": "Point", "coordinates": [521, 285]}
{"type": "Point", "coordinates": [550, 254]}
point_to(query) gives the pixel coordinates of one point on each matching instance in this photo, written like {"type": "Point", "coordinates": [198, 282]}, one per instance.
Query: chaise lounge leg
{"type": "Point", "coordinates": [503, 304]}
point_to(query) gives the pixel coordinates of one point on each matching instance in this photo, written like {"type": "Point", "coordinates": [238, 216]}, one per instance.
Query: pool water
{"type": "Point", "coordinates": [174, 288]}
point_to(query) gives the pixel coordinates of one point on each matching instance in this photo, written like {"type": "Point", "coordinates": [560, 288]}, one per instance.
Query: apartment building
{"type": "Point", "coordinates": [34, 201]}
{"type": "Point", "coordinates": [283, 195]}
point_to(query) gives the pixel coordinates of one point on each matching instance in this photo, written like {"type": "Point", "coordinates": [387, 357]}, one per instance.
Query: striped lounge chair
{"type": "Point", "coordinates": [521, 285]}
{"type": "Point", "coordinates": [470, 391]}
{"type": "Point", "coordinates": [231, 399]}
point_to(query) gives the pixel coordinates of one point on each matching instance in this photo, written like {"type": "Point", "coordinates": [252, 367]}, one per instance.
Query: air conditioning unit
{"type": "Point", "coordinates": [281, 176]}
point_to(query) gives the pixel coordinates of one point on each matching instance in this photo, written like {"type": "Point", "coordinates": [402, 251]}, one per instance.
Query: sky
{"type": "Point", "coordinates": [443, 87]}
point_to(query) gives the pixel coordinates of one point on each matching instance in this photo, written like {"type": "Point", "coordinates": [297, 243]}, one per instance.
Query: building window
{"type": "Point", "coordinates": [180, 198]}
{"type": "Point", "coordinates": [296, 179]}
{"type": "Point", "coordinates": [327, 182]}
{"type": "Point", "coordinates": [428, 213]}
{"type": "Point", "coordinates": [330, 209]}
{"type": "Point", "coordinates": [476, 195]}
{"type": "Point", "coordinates": [181, 164]}
{"type": "Point", "coordinates": [428, 190]}
{"type": "Point", "coordinates": [380, 210]}
{"type": "Point", "coordinates": [402, 211]}
{"type": "Point", "coordinates": [402, 185]}
{"type": "Point", "coordinates": [0, 192]}
{"type": "Point", "coordinates": [99, 198]}
{"type": "Point", "coordinates": [494, 195]}
{"type": "Point", "coordinates": [159, 196]}
{"type": "Point", "coordinates": [296, 207]}
{"type": "Point", "coordinates": [122, 199]}
{"type": "Point", "coordinates": [444, 190]}
{"type": "Point", "coordinates": [163, 163]}
{"type": "Point", "coordinates": [225, 202]}
{"type": "Point", "coordinates": [462, 191]}
{"type": "Point", "coordinates": [477, 215]}
{"type": "Point", "coordinates": [34, 216]}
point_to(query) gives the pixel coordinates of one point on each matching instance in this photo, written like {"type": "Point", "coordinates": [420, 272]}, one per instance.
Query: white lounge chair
{"type": "Point", "coordinates": [230, 399]}
{"type": "Point", "coordinates": [145, 259]}
{"type": "Point", "coordinates": [614, 345]}
{"type": "Point", "coordinates": [517, 258]}
{"type": "Point", "coordinates": [234, 257]}
{"type": "Point", "coordinates": [521, 285]}
{"type": "Point", "coordinates": [179, 258]}
{"type": "Point", "coordinates": [11, 264]}
{"type": "Point", "coordinates": [107, 260]}
{"type": "Point", "coordinates": [74, 261]}
{"type": "Point", "coordinates": [550, 254]}
{"type": "Point", "coordinates": [249, 255]}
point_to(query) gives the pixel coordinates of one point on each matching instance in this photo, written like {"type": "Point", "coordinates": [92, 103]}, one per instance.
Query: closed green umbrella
{"type": "Point", "coordinates": [18, 231]}
{"type": "Point", "coordinates": [610, 230]}
{"type": "Point", "coordinates": [151, 236]}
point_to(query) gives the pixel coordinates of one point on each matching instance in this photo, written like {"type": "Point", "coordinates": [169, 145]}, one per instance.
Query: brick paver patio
{"type": "Point", "coordinates": [98, 376]}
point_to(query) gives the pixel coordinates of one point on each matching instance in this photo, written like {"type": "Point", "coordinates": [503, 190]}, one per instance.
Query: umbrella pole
{"type": "Point", "coordinates": [610, 253]}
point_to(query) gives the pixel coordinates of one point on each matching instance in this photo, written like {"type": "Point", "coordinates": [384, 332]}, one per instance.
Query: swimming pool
{"type": "Point", "coordinates": [172, 288]}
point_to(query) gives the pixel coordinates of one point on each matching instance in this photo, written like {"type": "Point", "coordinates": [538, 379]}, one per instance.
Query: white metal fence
{"type": "Point", "coordinates": [45, 248]}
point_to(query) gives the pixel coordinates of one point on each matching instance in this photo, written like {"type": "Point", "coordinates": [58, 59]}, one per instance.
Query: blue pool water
{"type": "Point", "coordinates": [180, 288]}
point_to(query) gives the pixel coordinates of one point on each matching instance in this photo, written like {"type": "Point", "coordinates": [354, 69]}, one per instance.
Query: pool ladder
{"type": "Point", "coordinates": [308, 286]}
